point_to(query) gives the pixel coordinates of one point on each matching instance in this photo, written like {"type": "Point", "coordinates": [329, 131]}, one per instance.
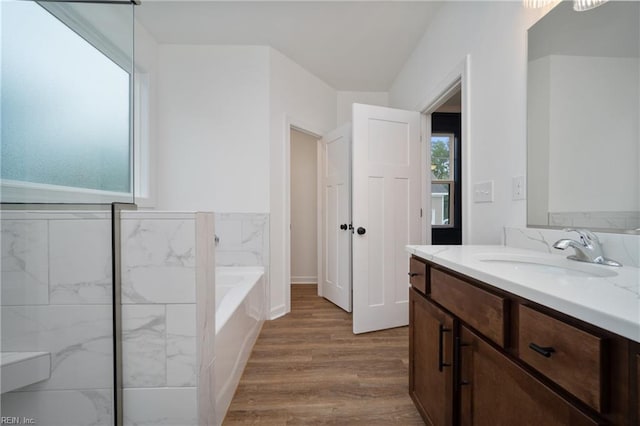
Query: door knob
{"type": "Point", "coordinates": [343, 226]}
{"type": "Point", "coordinates": [361, 230]}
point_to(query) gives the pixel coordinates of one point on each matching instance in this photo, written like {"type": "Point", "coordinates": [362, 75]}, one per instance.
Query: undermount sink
{"type": "Point", "coordinates": [547, 265]}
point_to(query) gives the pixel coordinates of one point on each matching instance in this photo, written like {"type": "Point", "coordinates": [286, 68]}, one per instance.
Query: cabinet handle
{"type": "Point", "coordinates": [413, 274]}
{"type": "Point", "coordinates": [441, 363]}
{"type": "Point", "coordinates": [458, 360]}
{"type": "Point", "coordinates": [545, 351]}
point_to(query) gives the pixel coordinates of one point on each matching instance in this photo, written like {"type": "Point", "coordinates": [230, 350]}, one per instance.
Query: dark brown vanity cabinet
{"type": "Point", "coordinates": [482, 356]}
{"type": "Point", "coordinates": [495, 390]}
{"type": "Point", "coordinates": [430, 360]}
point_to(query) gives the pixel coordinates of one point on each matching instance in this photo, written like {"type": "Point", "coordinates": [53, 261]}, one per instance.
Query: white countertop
{"type": "Point", "coordinates": [611, 303]}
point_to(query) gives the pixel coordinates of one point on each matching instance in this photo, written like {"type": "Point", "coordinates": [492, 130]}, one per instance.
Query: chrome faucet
{"type": "Point", "coordinates": [588, 249]}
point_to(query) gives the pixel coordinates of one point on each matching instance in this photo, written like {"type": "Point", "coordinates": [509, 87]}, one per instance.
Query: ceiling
{"type": "Point", "coordinates": [351, 45]}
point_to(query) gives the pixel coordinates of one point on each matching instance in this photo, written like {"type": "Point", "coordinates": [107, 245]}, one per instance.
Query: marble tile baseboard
{"type": "Point", "coordinates": [622, 248]}
{"type": "Point", "coordinates": [601, 220]}
{"type": "Point", "coordinates": [156, 407]}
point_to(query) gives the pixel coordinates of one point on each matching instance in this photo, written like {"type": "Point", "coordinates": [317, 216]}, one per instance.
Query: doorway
{"type": "Point", "coordinates": [446, 196]}
{"type": "Point", "coordinates": [304, 207]}
{"type": "Point", "coordinates": [445, 169]}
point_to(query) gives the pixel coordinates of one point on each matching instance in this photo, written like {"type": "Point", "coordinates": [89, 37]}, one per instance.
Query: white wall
{"type": "Point", "coordinates": [494, 34]}
{"type": "Point", "coordinates": [347, 99]}
{"type": "Point", "coordinates": [213, 128]}
{"type": "Point", "coordinates": [295, 96]}
{"type": "Point", "coordinates": [304, 218]}
{"type": "Point", "coordinates": [146, 57]}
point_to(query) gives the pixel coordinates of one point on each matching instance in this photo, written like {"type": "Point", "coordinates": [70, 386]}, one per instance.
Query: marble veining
{"type": "Point", "coordinates": [25, 266]}
{"type": "Point", "coordinates": [80, 262]}
{"type": "Point", "coordinates": [181, 345]}
{"type": "Point", "coordinates": [79, 339]}
{"type": "Point", "coordinates": [158, 261]}
{"type": "Point", "coordinates": [620, 247]}
{"type": "Point", "coordinates": [144, 345]}
{"type": "Point", "coordinates": [244, 239]}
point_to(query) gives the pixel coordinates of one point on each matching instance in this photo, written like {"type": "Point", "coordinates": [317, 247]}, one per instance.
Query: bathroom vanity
{"type": "Point", "coordinates": [502, 336]}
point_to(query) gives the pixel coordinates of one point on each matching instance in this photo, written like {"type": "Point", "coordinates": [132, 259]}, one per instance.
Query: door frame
{"type": "Point", "coordinates": [291, 123]}
{"type": "Point", "coordinates": [458, 79]}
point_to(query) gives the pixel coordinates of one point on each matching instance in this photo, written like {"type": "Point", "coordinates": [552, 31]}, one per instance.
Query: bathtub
{"type": "Point", "coordinates": [240, 313]}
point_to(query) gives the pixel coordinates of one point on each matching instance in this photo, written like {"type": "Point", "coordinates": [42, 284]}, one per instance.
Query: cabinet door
{"type": "Point", "coordinates": [636, 406]}
{"type": "Point", "coordinates": [430, 359]}
{"type": "Point", "coordinates": [496, 391]}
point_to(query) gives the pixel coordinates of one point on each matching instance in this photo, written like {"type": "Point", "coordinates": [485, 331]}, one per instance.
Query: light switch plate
{"type": "Point", "coordinates": [518, 189]}
{"type": "Point", "coordinates": [483, 192]}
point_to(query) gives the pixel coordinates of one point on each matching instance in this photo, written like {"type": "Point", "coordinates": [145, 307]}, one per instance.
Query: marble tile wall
{"type": "Point", "coordinates": [606, 220]}
{"type": "Point", "coordinates": [56, 297]}
{"type": "Point", "coordinates": [619, 247]}
{"type": "Point", "coordinates": [243, 241]}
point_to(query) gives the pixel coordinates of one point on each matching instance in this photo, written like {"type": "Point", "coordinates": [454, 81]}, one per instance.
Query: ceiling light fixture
{"type": "Point", "coordinates": [582, 5]}
{"type": "Point", "coordinates": [578, 5]}
{"type": "Point", "coordinates": [536, 4]}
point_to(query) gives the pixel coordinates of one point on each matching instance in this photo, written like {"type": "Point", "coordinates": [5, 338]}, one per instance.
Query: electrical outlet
{"type": "Point", "coordinates": [483, 192]}
{"type": "Point", "coordinates": [518, 189]}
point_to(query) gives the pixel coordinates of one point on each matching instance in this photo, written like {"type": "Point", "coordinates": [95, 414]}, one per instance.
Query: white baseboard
{"type": "Point", "coordinates": [304, 280]}
{"type": "Point", "coordinates": [277, 312]}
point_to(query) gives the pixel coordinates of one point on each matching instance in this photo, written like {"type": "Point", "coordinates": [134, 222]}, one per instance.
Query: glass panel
{"type": "Point", "coordinates": [442, 157]}
{"type": "Point", "coordinates": [66, 122]}
{"type": "Point", "coordinates": [442, 204]}
{"type": "Point", "coordinates": [66, 72]}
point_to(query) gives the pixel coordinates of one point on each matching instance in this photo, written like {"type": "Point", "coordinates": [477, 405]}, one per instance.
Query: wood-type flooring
{"type": "Point", "coordinates": [308, 368]}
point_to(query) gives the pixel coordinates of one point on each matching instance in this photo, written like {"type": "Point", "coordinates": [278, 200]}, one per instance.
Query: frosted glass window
{"type": "Point", "coordinates": [65, 106]}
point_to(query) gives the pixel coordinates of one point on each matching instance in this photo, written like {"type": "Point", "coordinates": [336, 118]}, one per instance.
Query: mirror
{"type": "Point", "coordinates": [583, 110]}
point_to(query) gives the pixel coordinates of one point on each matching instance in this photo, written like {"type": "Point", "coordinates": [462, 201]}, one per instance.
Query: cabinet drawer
{"type": "Point", "coordinates": [418, 275]}
{"type": "Point", "coordinates": [567, 355]}
{"type": "Point", "coordinates": [482, 310]}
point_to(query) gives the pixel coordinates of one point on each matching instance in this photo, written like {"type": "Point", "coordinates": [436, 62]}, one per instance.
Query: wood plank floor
{"type": "Point", "coordinates": [309, 368]}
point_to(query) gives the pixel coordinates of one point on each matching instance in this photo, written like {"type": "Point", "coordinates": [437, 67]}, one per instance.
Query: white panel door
{"type": "Point", "coordinates": [386, 213]}
{"type": "Point", "coordinates": [336, 263]}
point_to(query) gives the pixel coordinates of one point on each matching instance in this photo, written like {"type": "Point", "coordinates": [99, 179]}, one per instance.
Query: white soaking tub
{"type": "Point", "coordinates": [240, 313]}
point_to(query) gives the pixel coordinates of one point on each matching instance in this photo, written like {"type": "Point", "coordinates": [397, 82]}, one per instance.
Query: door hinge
{"type": "Point", "coordinates": [420, 212]}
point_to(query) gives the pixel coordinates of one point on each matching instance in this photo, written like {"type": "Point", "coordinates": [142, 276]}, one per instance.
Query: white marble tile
{"type": "Point", "coordinates": [156, 407]}
{"type": "Point", "coordinates": [622, 248]}
{"type": "Point", "coordinates": [253, 234]}
{"type": "Point", "coordinates": [80, 257]}
{"type": "Point", "coordinates": [79, 339]}
{"type": "Point", "coordinates": [25, 263]}
{"type": "Point", "coordinates": [181, 345]}
{"type": "Point", "coordinates": [595, 220]}
{"type": "Point", "coordinates": [61, 408]}
{"type": "Point", "coordinates": [238, 258]}
{"type": "Point", "coordinates": [229, 231]}
{"type": "Point", "coordinates": [205, 312]}
{"type": "Point", "coordinates": [158, 261]}
{"type": "Point", "coordinates": [144, 346]}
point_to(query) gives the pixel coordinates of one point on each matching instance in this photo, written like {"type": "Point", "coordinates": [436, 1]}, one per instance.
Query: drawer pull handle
{"type": "Point", "coordinates": [457, 360]}
{"type": "Point", "coordinates": [413, 274]}
{"type": "Point", "coordinates": [545, 351]}
{"type": "Point", "coordinates": [441, 363]}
